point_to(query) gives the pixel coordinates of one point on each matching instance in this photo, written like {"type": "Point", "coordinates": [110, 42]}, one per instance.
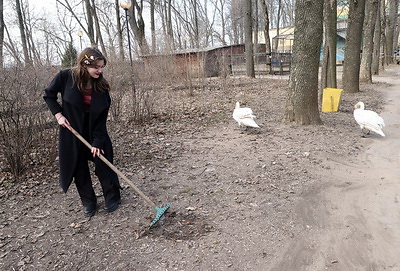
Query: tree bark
{"type": "Point", "coordinates": [137, 25]}
{"type": "Point", "coordinates": [371, 9]}
{"type": "Point", "coordinates": [328, 73]}
{"type": "Point", "coordinates": [21, 25]}
{"type": "Point", "coordinates": [119, 30]}
{"type": "Point", "coordinates": [383, 61]}
{"type": "Point", "coordinates": [390, 29]}
{"type": "Point", "coordinates": [1, 34]}
{"type": "Point", "coordinates": [90, 24]}
{"type": "Point", "coordinates": [352, 58]}
{"type": "Point", "coordinates": [267, 38]}
{"type": "Point", "coordinates": [377, 41]}
{"type": "Point", "coordinates": [249, 38]}
{"type": "Point", "coordinates": [99, 36]}
{"type": "Point", "coordinates": [153, 27]}
{"type": "Point", "coordinates": [302, 101]}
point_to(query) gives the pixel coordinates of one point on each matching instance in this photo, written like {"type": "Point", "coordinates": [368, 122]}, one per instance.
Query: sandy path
{"type": "Point", "coordinates": [354, 224]}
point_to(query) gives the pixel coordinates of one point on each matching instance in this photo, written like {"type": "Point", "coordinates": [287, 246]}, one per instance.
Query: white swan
{"type": "Point", "coordinates": [244, 116]}
{"type": "Point", "coordinates": [368, 120]}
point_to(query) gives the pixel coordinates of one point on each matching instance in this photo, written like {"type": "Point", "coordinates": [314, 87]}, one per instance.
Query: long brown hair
{"type": "Point", "coordinates": [89, 58]}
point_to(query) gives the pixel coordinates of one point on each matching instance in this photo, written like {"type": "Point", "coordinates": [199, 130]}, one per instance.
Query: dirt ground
{"type": "Point", "coordinates": [282, 197]}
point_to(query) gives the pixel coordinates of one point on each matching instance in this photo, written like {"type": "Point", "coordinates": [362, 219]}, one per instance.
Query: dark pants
{"type": "Point", "coordinates": [108, 178]}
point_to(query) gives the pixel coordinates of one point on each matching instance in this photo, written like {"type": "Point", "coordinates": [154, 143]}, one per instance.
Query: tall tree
{"type": "Point", "coordinates": [377, 40]}
{"type": "Point", "coordinates": [153, 26]}
{"type": "Point", "coordinates": [352, 59]}
{"type": "Point", "coordinates": [21, 25]}
{"type": "Point", "coordinates": [219, 6]}
{"type": "Point", "coordinates": [237, 25]}
{"type": "Point", "coordinates": [255, 27]}
{"type": "Point", "coordinates": [265, 12]}
{"type": "Point", "coordinates": [119, 31]}
{"type": "Point", "coordinates": [137, 24]}
{"type": "Point", "coordinates": [393, 6]}
{"type": "Point", "coordinates": [302, 101]}
{"type": "Point", "coordinates": [276, 45]}
{"type": "Point", "coordinates": [328, 71]}
{"type": "Point", "coordinates": [371, 9]}
{"type": "Point", "coordinates": [90, 24]}
{"type": "Point", "coordinates": [248, 29]}
{"type": "Point", "coordinates": [1, 33]}
{"type": "Point", "coordinates": [99, 36]}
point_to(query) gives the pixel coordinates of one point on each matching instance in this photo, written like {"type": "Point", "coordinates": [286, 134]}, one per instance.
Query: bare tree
{"type": "Point", "coordinates": [22, 32]}
{"type": "Point", "coordinates": [383, 42]}
{"type": "Point", "coordinates": [153, 27]}
{"type": "Point", "coordinates": [237, 23]}
{"type": "Point", "coordinates": [1, 33]}
{"type": "Point", "coordinates": [119, 30]}
{"type": "Point", "coordinates": [99, 36]}
{"type": "Point", "coordinates": [136, 22]}
{"type": "Point", "coordinates": [255, 27]}
{"type": "Point", "coordinates": [248, 38]}
{"type": "Point", "coordinates": [351, 67]}
{"type": "Point", "coordinates": [302, 101]}
{"type": "Point", "coordinates": [393, 6]}
{"type": "Point", "coordinates": [328, 73]}
{"type": "Point", "coordinates": [264, 9]}
{"type": "Point", "coordinates": [371, 9]}
{"type": "Point", "coordinates": [278, 25]}
{"type": "Point", "coordinates": [219, 7]}
{"type": "Point", "coordinates": [377, 40]}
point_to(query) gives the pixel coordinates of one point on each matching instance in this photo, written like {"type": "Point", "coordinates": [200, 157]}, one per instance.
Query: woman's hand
{"type": "Point", "coordinates": [62, 121]}
{"type": "Point", "coordinates": [96, 151]}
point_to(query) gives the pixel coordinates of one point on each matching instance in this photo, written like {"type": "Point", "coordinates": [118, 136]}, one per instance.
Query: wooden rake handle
{"type": "Point", "coordinates": [119, 173]}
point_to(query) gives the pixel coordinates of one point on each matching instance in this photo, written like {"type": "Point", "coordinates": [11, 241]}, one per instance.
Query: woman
{"type": "Point", "coordinates": [85, 102]}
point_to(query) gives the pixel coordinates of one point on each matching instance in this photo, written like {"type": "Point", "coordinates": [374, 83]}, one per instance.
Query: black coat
{"type": "Point", "coordinates": [73, 109]}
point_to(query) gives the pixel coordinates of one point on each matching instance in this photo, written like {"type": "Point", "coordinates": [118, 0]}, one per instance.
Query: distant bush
{"type": "Point", "coordinates": [23, 119]}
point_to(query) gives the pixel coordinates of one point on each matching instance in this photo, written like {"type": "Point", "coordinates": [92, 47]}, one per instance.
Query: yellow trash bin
{"type": "Point", "coordinates": [331, 99]}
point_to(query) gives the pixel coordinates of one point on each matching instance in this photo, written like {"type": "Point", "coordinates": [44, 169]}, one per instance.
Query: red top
{"type": "Point", "coordinates": [87, 99]}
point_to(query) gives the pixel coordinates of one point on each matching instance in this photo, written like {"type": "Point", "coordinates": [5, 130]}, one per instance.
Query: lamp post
{"type": "Point", "coordinates": [80, 34]}
{"type": "Point", "coordinates": [126, 4]}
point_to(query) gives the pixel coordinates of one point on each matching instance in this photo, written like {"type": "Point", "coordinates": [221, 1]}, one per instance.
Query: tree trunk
{"type": "Point", "coordinates": [119, 30]}
{"type": "Point", "coordinates": [223, 23]}
{"type": "Point", "coordinates": [390, 29]}
{"type": "Point", "coordinates": [256, 26]}
{"type": "Point", "coordinates": [1, 34]}
{"type": "Point", "coordinates": [266, 26]}
{"type": "Point", "coordinates": [383, 36]}
{"type": "Point", "coordinates": [352, 58]}
{"type": "Point", "coordinates": [267, 38]}
{"type": "Point", "coordinates": [153, 27]}
{"type": "Point", "coordinates": [170, 31]}
{"type": "Point", "coordinates": [302, 101]}
{"type": "Point", "coordinates": [99, 36]}
{"type": "Point", "coordinates": [249, 38]}
{"type": "Point", "coordinates": [22, 32]}
{"type": "Point", "coordinates": [276, 45]}
{"type": "Point", "coordinates": [137, 25]}
{"type": "Point", "coordinates": [90, 29]}
{"type": "Point", "coordinates": [377, 41]}
{"type": "Point", "coordinates": [328, 73]}
{"type": "Point", "coordinates": [371, 9]}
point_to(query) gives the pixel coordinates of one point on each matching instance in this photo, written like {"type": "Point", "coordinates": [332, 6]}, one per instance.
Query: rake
{"type": "Point", "coordinates": [159, 210]}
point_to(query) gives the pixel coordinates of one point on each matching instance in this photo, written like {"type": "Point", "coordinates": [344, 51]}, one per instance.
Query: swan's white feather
{"type": "Point", "coordinates": [244, 116]}
{"type": "Point", "coordinates": [368, 119]}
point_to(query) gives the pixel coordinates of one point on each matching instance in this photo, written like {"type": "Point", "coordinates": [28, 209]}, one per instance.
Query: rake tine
{"type": "Point", "coordinates": [159, 214]}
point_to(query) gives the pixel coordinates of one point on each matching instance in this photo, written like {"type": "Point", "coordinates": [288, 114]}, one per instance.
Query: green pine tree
{"type": "Point", "coordinates": [69, 57]}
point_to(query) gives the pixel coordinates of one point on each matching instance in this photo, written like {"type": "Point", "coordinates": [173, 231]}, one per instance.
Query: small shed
{"type": "Point", "coordinates": [211, 62]}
